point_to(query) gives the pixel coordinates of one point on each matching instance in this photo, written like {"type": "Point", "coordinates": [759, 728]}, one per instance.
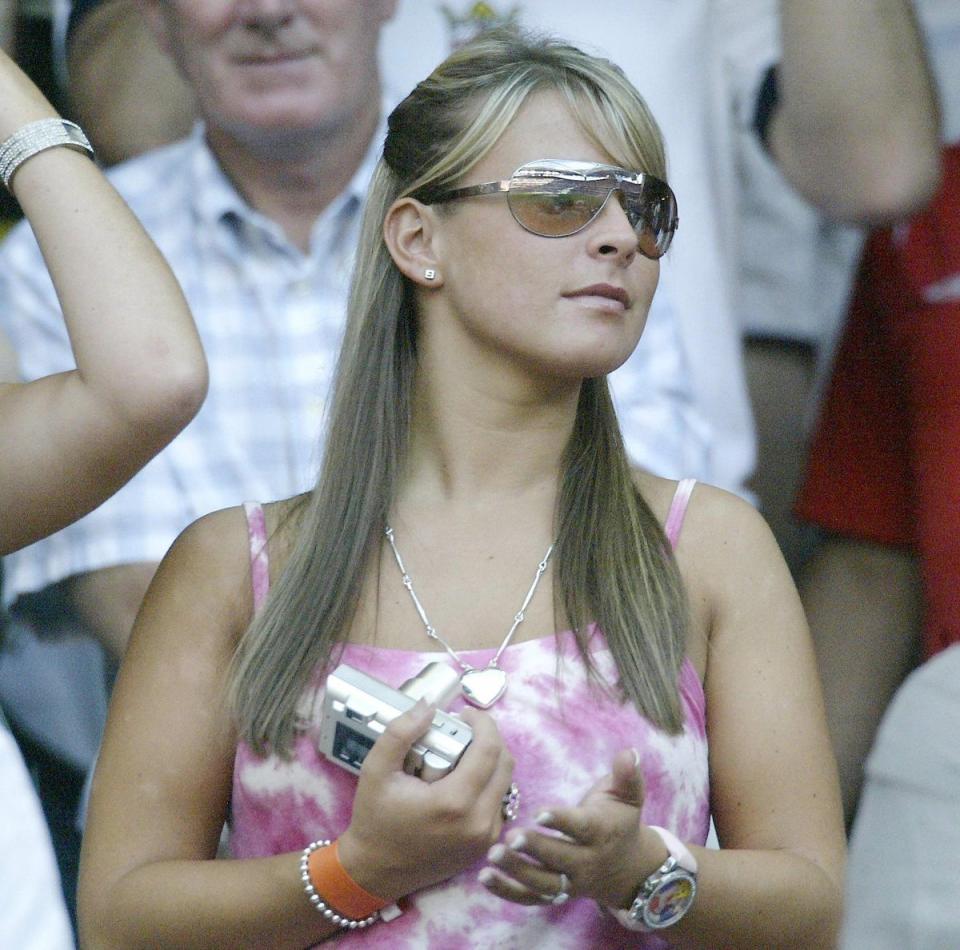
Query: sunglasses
{"type": "Point", "coordinates": [557, 198]}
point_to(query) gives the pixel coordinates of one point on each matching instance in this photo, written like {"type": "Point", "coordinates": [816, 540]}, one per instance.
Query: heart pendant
{"type": "Point", "coordinates": [483, 687]}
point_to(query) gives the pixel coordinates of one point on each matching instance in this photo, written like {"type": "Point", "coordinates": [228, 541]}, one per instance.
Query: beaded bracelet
{"type": "Point", "coordinates": [36, 136]}
{"type": "Point", "coordinates": [321, 905]}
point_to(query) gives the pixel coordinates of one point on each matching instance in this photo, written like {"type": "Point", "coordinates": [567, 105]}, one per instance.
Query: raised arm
{"type": "Point", "coordinates": [69, 441]}
{"type": "Point", "coordinates": [857, 125]}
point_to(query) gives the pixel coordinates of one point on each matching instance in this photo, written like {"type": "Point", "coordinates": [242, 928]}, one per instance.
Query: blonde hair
{"type": "Point", "coordinates": [614, 565]}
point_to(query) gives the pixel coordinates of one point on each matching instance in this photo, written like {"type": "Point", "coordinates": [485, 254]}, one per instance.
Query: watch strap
{"type": "Point", "coordinates": [678, 850]}
{"type": "Point", "coordinates": [679, 857]}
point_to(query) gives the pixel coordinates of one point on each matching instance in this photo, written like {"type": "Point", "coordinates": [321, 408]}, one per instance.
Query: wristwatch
{"type": "Point", "coordinates": [667, 894]}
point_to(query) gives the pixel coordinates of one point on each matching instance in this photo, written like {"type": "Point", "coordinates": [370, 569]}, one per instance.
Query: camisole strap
{"type": "Point", "coordinates": [678, 510]}
{"type": "Point", "coordinates": [259, 559]}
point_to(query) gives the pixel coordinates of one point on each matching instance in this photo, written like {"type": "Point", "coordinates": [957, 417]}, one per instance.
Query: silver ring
{"type": "Point", "coordinates": [510, 806]}
{"type": "Point", "coordinates": [562, 895]}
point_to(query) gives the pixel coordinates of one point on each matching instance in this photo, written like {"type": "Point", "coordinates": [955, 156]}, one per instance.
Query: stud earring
{"type": "Point", "coordinates": [430, 274]}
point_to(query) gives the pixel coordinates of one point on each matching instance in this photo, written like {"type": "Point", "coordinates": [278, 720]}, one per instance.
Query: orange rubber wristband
{"type": "Point", "coordinates": [338, 890]}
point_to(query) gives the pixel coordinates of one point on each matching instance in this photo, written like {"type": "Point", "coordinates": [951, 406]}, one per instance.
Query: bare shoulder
{"type": "Point", "coordinates": [725, 540]}
{"type": "Point", "coordinates": [715, 520]}
{"type": "Point", "coordinates": [724, 548]}
{"type": "Point", "coordinates": [718, 519]}
{"type": "Point", "coordinates": [218, 538]}
{"type": "Point", "coordinates": [206, 573]}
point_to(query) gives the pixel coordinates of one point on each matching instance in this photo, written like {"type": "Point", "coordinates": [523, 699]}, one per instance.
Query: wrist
{"type": "Point", "coordinates": [335, 894]}
{"type": "Point", "coordinates": [665, 896]}
{"type": "Point", "coordinates": [647, 852]}
{"type": "Point", "coordinates": [35, 137]}
{"type": "Point", "coordinates": [366, 867]}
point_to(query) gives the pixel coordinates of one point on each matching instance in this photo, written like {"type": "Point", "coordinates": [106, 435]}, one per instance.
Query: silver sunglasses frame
{"type": "Point", "coordinates": [575, 171]}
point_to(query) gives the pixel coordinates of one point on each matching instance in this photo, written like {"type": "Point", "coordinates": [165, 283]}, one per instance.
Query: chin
{"type": "Point", "coordinates": [595, 361]}
{"type": "Point", "coordinates": [575, 371]}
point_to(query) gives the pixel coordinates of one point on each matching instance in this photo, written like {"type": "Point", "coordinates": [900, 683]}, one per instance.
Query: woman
{"type": "Point", "coordinates": [472, 447]}
{"type": "Point", "coordinates": [68, 442]}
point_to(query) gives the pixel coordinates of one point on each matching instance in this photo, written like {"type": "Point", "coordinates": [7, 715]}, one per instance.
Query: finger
{"type": "Point", "coordinates": [571, 823]}
{"type": "Point", "coordinates": [490, 798]}
{"type": "Point", "coordinates": [540, 851]}
{"type": "Point", "coordinates": [482, 756]}
{"type": "Point", "coordinates": [390, 750]}
{"type": "Point", "coordinates": [540, 878]}
{"type": "Point", "coordinates": [503, 886]}
{"type": "Point", "coordinates": [624, 781]}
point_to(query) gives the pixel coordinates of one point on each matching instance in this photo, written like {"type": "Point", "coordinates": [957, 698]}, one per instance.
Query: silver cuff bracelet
{"type": "Point", "coordinates": [35, 137]}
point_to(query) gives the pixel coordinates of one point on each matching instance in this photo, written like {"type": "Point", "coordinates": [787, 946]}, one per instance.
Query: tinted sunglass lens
{"type": "Point", "coordinates": [653, 220]}
{"type": "Point", "coordinates": [553, 213]}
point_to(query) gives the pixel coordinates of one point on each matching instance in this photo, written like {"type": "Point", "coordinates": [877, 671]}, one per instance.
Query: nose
{"type": "Point", "coordinates": [611, 234]}
{"type": "Point", "coordinates": [266, 15]}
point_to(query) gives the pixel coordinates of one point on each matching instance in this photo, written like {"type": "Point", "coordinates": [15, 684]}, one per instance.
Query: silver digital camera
{"type": "Point", "coordinates": [357, 708]}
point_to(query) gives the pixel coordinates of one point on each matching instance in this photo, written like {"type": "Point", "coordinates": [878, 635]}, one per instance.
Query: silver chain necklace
{"type": "Point", "coordinates": [481, 686]}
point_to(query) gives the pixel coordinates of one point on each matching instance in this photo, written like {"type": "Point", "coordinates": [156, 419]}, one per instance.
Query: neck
{"type": "Point", "coordinates": [292, 177]}
{"type": "Point", "coordinates": [480, 439]}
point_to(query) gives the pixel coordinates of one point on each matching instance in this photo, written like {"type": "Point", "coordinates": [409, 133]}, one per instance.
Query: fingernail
{"type": "Point", "coordinates": [636, 759]}
{"type": "Point", "coordinates": [518, 842]}
{"type": "Point", "coordinates": [496, 853]}
{"type": "Point", "coordinates": [486, 876]}
{"type": "Point", "coordinates": [544, 818]}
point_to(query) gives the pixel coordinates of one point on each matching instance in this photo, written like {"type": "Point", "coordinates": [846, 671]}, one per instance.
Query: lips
{"type": "Point", "coordinates": [272, 58]}
{"type": "Point", "coordinates": [608, 291]}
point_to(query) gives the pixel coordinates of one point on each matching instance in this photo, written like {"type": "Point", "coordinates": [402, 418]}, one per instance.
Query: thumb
{"type": "Point", "coordinates": [626, 778]}
{"type": "Point", "coordinates": [390, 750]}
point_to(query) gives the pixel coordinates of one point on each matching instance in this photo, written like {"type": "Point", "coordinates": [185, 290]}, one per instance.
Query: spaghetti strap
{"type": "Point", "coordinates": [259, 559]}
{"type": "Point", "coordinates": [678, 510]}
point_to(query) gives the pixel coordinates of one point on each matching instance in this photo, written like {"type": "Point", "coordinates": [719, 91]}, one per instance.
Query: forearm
{"type": "Point", "coordinates": [767, 899]}
{"type": "Point", "coordinates": [255, 903]}
{"type": "Point", "coordinates": [857, 126]}
{"type": "Point", "coordinates": [136, 347]}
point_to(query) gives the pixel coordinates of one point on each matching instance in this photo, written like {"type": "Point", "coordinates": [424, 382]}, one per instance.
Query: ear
{"type": "Point", "coordinates": [409, 231]}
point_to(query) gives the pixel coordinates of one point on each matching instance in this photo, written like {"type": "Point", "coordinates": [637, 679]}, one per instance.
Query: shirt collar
{"type": "Point", "coordinates": [216, 200]}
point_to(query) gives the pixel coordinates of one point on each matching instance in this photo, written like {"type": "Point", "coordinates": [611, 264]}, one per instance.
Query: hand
{"type": "Point", "coordinates": [407, 834]}
{"type": "Point", "coordinates": [600, 846]}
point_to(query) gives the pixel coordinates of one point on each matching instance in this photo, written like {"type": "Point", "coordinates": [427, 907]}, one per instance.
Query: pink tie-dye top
{"type": "Point", "coordinates": [563, 733]}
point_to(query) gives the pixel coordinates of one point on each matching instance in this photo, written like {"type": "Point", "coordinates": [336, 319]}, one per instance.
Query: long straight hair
{"type": "Point", "coordinates": [614, 565]}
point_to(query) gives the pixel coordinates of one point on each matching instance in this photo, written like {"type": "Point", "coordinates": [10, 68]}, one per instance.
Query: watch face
{"type": "Point", "coordinates": [670, 900]}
